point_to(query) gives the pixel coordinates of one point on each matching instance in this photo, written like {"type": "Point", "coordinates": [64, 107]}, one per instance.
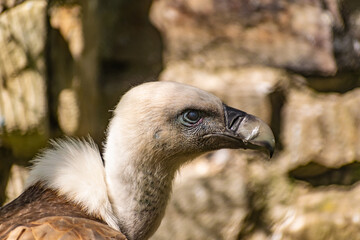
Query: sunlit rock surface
{"type": "Point", "coordinates": [23, 106]}
{"type": "Point", "coordinates": [296, 35]}
{"type": "Point", "coordinates": [322, 128]}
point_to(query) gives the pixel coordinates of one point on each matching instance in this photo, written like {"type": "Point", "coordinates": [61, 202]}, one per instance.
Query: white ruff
{"type": "Point", "coordinates": [74, 168]}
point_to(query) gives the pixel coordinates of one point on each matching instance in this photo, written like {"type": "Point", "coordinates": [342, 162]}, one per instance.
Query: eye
{"type": "Point", "coordinates": [190, 117]}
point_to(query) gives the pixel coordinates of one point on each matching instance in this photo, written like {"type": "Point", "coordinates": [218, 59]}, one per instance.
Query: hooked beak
{"type": "Point", "coordinates": [248, 131]}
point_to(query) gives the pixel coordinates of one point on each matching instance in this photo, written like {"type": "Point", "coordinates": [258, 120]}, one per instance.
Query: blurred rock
{"type": "Point", "coordinates": [22, 102]}
{"type": "Point", "coordinates": [5, 166]}
{"type": "Point", "coordinates": [321, 138]}
{"type": "Point", "coordinates": [23, 97]}
{"type": "Point", "coordinates": [131, 49]}
{"type": "Point", "coordinates": [99, 45]}
{"type": "Point", "coordinates": [66, 44]}
{"type": "Point", "coordinates": [68, 111]}
{"type": "Point", "coordinates": [342, 82]}
{"type": "Point", "coordinates": [74, 56]}
{"type": "Point", "coordinates": [296, 35]}
{"type": "Point", "coordinates": [6, 4]}
{"type": "Point", "coordinates": [67, 20]}
{"type": "Point", "coordinates": [322, 128]}
{"type": "Point", "coordinates": [16, 183]}
{"type": "Point", "coordinates": [292, 209]}
{"type": "Point", "coordinates": [326, 213]}
{"type": "Point", "coordinates": [347, 38]}
{"type": "Point", "coordinates": [23, 106]}
{"type": "Point", "coordinates": [21, 41]}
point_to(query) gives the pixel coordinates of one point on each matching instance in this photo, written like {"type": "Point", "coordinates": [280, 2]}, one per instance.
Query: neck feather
{"type": "Point", "coordinates": [74, 169]}
{"type": "Point", "coordinates": [139, 187]}
{"type": "Point", "coordinates": [130, 194]}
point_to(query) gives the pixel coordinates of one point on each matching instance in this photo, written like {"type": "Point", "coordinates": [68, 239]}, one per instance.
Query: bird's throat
{"type": "Point", "coordinates": [139, 178]}
{"type": "Point", "coordinates": [139, 195]}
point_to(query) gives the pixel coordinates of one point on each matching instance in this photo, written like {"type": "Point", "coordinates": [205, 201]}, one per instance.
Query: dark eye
{"type": "Point", "coordinates": [190, 117]}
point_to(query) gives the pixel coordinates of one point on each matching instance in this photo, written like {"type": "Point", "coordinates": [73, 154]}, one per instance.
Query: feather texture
{"type": "Point", "coordinates": [75, 169]}
{"type": "Point", "coordinates": [42, 213]}
{"type": "Point", "coordinates": [64, 228]}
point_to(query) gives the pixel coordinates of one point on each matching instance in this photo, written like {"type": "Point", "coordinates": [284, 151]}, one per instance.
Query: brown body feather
{"type": "Point", "coordinates": [40, 213]}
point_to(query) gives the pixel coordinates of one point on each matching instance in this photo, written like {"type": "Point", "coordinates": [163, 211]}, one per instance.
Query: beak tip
{"type": "Point", "coordinates": [250, 130]}
{"type": "Point", "coordinates": [271, 148]}
{"type": "Point", "coordinates": [271, 153]}
{"type": "Point", "coordinates": [267, 146]}
{"type": "Point", "coordinates": [265, 140]}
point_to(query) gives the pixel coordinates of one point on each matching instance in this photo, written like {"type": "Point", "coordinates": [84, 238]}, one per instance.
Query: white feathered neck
{"type": "Point", "coordinates": [74, 169]}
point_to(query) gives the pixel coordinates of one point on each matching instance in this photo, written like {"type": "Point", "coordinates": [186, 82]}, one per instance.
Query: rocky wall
{"type": "Point", "coordinates": [23, 105]}
{"type": "Point", "coordinates": [294, 64]}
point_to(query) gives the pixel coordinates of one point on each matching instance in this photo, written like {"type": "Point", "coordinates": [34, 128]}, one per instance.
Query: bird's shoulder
{"type": "Point", "coordinates": [63, 227]}
{"type": "Point", "coordinates": [41, 213]}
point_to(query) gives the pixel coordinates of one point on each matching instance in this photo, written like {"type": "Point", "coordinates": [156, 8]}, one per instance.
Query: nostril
{"type": "Point", "coordinates": [235, 123]}
{"type": "Point", "coordinates": [233, 117]}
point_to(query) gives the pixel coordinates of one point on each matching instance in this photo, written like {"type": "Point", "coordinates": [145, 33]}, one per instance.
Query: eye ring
{"type": "Point", "coordinates": [190, 118]}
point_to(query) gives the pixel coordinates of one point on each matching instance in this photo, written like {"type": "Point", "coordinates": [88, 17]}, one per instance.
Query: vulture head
{"type": "Point", "coordinates": [171, 123]}
{"type": "Point", "coordinates": [156, 128]}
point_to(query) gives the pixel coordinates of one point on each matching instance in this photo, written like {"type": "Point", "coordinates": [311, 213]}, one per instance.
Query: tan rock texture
{"type": "Point", "coordinates": [23, 105]}
{"type": "Point", "coordinates": [15, 185]}
{"type": "Point", "coordinates": [322, 128]}
{"type": "Point", "coordinates": [320, 214]}
{"type": "Point", "coordinates": [6, 4]}
{"type": "Point", "coordinates": [296, 35]}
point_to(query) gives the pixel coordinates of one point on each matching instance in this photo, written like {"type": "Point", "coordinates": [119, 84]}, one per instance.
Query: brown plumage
{"type": "Point", "coordinates": [156, 128]}
{"type": "Point", "coordinates": [40, 213]}
{"type": "Point", "coordinates": [64, 228]}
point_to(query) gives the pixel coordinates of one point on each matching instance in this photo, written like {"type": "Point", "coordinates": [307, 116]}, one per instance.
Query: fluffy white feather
{"type": "Point", "coordinates": [74, 168]}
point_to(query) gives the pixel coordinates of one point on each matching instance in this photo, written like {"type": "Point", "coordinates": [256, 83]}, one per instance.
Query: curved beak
{"type": "Point", "coordinates": [248, 131]}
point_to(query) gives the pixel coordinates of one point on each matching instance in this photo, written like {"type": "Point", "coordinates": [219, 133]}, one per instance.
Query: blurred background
{"type": "Point", "coordinates": [296, 64]}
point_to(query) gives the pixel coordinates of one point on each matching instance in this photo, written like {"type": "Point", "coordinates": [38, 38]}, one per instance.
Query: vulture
{"type": "Point", "coordinates": [75, 192]}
